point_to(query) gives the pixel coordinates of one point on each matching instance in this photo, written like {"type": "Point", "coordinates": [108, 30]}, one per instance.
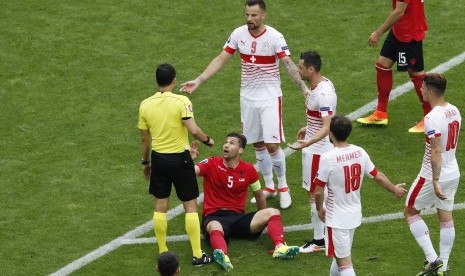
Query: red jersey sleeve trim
{"type": "Point", "coordinates": [318, 182]}
{"type": "Point", "coordinates": [374, 172]}
{"type": "Point", "coordinates": [281, 54]}
{"type": "Point", "coordinates": [229, 50]}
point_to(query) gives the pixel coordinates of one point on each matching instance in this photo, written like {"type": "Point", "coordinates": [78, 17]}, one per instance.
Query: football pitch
{"type": "Point", "coordinates": [73, 198]}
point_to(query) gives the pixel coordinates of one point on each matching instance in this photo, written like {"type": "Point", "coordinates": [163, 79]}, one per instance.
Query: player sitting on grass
{"type": "Point", "coordinates": [226, 182]}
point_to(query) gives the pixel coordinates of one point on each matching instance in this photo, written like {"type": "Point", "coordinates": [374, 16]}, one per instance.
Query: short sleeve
{"type": "Point", "coordinates": [370, 169]}
{"type": "Point", "coordinates": [204, 166]}
{"type": "Point", "coordinates": [186, 108]}
{"type": "Point", "coordinates": [142, 123]}
{"type": "Point", "coordinates": [231, 44]}
{"type": "Point", "coordinates": [281, 47]}
{"type": "Point", "coordinates": [432, 129]}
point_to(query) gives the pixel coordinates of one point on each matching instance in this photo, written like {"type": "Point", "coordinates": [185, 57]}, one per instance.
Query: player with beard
{"type": "Point", "coordinates": [261, 48]}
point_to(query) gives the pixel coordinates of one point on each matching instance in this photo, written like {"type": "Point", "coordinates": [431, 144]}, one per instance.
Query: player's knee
{"type": "Point", "coordinates": [410, 212]}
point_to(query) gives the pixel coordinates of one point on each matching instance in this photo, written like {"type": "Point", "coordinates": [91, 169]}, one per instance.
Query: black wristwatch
{"type": "Point", "coordinates": [206, 142]}
{"type": "Point", "coordinates": [145, 162]}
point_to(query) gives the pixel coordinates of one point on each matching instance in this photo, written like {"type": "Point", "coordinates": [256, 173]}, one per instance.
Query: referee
{"type": "Point", "coordinates": [164, 121]}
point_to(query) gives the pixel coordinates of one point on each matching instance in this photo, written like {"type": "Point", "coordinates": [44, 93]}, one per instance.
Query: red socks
{"type": "Point", "coordinates": [384, 82]}
{"type": "Point", "coordinates": [276, 229]}
{"type": "Point", "coordinates": [417, 82]}
{"type": "Point", "coordinates": [217, 241]}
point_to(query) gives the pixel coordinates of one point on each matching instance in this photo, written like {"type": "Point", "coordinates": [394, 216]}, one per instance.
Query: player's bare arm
{"type": "Point", "coordinates": [436, 161]}
{"type": "Point", "coordinates": [215, 65]}
{"type": "Point", "coordinates": [146, 141]}
{"type": "Point", "coordinates": [393, 17]}
{"type": "Point", "coordinates": [195, 130]}
{"type": "Point", "coordinates": [319, 197]}
{"type": "Point", "coordinates": [382, 180]}
{"type": "Point", "coordinates": [293, 72]}
{"type": "Point", "coordinates": [261, 201]}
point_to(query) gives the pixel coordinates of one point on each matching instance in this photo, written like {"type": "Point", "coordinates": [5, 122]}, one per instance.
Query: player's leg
{"type": "Point", "coordinates": [310, 165]}
{"type": "Point", "coordinates": [342, 242]}
{"type": "Point", "coordinates": [160, 188]}
{"type": "Point", "coordinates": [414, 53]}
{"type": "Point", "coordinates": [447, 232]}
{"type": "Point", "coordinates": [218, 243]}
{"type": "Point", "coordinates": [187, 190]}
{"type": "Point", "coordinates": [384, 81]}
{"type": "Point", "coordinates": [420, 195]}
{"type": "Point", "coordinates": [251, 128]}
{"type": "Point", "coordinates": [273, 136]}
{"type": "Point", "coordinates": [160, 223]}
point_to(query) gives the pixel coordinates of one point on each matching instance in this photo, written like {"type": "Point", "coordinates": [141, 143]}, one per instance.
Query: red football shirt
{"type": "Point", "coordinates": [223, 187]}
{"type": "Point", "coordinates": [412, 25]}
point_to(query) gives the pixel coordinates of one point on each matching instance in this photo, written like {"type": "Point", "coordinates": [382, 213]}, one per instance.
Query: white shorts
{"type": "Point", "coordinates": [262, 121]}
{"type": "Point", "coordinates": [310, 165]}
{"type": "Point", "coordinates": [421, 194]}
{"type": "Point", "coordinates": [339, 242]}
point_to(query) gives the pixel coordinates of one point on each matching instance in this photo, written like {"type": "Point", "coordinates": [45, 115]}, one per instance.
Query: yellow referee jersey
{"type": "Point", "coordinates": [162, 115]}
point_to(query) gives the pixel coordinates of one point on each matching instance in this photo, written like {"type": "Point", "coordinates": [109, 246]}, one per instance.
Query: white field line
{"type": "Point", "coordinates": [299, 227]}
{"type": "Point", "coordinates": [146, 227]}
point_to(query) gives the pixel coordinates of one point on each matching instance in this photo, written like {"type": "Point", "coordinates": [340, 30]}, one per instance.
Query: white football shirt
{"type": "Point", "coordinates": [443, 122]}
{"type": "Point", "coordinates": [260, 78]}
{"type": "Point", "coordinates": [321, 102]}
{"type": "Point", "coordinates": [342, 171]}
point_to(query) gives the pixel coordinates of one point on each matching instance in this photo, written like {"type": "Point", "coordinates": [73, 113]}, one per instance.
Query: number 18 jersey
{"type": "Point", "coordinates": [341, 171]}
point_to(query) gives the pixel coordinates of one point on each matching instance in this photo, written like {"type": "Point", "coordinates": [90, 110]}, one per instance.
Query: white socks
{"type": "Point", "coordinates": [264, 166]}
{"type": "Point", "coordinates": [318, 225]}
{"type": "Point", "coordinates": [421, 233]}
{"type": "Point", "coordinates": [279, 167]}
{"type": "Point", "coordinates": [446, 237]}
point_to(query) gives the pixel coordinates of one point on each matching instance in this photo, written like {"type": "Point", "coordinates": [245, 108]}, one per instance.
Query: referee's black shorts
{"type": "Point", "coordinates": [173, 168]}
{"type": "Point", "coordinates": [408, 55]}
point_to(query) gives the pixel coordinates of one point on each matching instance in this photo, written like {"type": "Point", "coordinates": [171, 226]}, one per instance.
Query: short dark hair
{"type": "Point", "coordinates": [312, 59]}
{"type": "Point", "coordinates": [242, 139]}
{"type": "Point", "coordinates": [436, 83]}
{"type": "Point", "coordinates": [340, 127]}
{"type": "Point", "coordinates": [168, 263]}
{"type": "Point", "coordinates": [165, 74]}
{"type": "Point", "coordinates": [260, 3]}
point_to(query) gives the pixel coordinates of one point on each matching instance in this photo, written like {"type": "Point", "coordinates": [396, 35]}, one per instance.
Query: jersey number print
{"type": "Point", "coordinates": [453, 135]}
{"type": "Point", "coordinates": [352, 177]}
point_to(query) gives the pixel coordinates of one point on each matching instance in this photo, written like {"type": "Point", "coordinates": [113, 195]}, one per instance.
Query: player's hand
{"type": "Point", "coordinates": [322, 214]}
{"type": "Point", "coordinates": [373, 39]}
{"type": "Point", "coordinates": [438, 191]}
{"type": "Point", "coordinates": [194, 149]}
{"type": "Point", "coordinates": [299, 144]}
{"type": "Point", "coordinates": [146, 169]}
{"type": "Point", "coordinates": [190, 86]}
{"type": "Point", "coordinates": [301, 133]}
{"type": "Point", "coordinates": [399, 190]}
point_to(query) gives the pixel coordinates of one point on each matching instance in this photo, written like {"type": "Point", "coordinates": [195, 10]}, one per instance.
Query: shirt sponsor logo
{"type": "Point", "coordinates": [241, 179]}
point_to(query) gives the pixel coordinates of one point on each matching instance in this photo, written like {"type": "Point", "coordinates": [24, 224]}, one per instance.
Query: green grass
{"type": "Point", "coordinates": [71, 79]}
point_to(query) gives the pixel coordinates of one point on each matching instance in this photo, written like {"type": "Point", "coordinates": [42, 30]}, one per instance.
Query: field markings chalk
{"type": "Point", "coordinates": [146, 227]}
